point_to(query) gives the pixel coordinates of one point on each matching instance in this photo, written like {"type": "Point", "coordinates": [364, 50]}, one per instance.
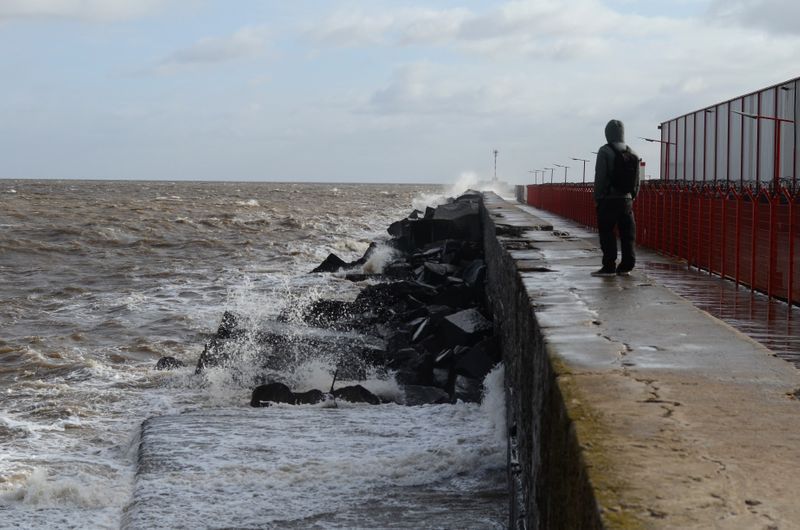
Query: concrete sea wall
{"type": "Point", "coordinates": [548, 482]}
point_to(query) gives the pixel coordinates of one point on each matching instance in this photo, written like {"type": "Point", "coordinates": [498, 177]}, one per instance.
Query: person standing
{"type": "Point", "coordinates": [616, 183]}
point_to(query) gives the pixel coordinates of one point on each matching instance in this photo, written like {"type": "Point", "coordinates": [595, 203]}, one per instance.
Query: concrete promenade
{"type": "Point", "coordinates": [678, 420]}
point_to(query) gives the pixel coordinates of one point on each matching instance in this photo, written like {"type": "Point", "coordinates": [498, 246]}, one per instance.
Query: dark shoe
{"type": "Point", "coordinates": [623, 271]}
{"type": "Point", "coordinates": [605, 272]}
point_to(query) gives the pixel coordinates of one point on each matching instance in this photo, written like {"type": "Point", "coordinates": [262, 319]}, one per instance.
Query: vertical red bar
{"type": "Point", "coordinates": [737, 266]}
{"type": "Point", "coordinates": [716, 140]}
{"type": "Point", "coordinates": [773, 226]}
{"type": "Point", "coordinates": [724, 234]}
{"type": "Point", "coordinates": [710, 223]}
{"type": "Point", "coordinates": [791, 251]}
{"type": "Point", "coordinates": [753, 225]}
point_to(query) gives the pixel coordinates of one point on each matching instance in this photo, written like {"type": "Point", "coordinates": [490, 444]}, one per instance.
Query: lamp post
{"type": "Point", "coordinates": [776, 177]}
{"type": "Point", "coordinates": [584, 166]}
{"type": "Point", "coordinates": [565, 171]}
{"type": "Point", "coordinates": [666, 166]}
{"type": "Point", "coordinates": [551, 174]}
{"type": "Point", "coordinates": [533, 172]}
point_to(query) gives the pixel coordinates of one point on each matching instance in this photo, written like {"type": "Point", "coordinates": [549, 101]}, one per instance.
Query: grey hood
{"type": "Point", "coordinates": [615, 134]}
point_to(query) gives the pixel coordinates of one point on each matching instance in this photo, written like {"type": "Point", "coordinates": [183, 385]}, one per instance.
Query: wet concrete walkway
{"type": "Point", "coordinates": [682, 420]}
{"type": "Point", "coordinates": [773, 323]}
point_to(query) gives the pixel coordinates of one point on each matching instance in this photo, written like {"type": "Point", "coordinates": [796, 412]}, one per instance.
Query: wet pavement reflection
{"type": "Point", "coordinates": [773, 323]}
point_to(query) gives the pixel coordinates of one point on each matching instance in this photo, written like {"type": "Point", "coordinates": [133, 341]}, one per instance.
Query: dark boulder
{"type": "Point", "coordinates": [466, 327]}
{"type": "Point", "coordinates": [312, 397]}
{"type": "Point", "coordinates": [415, 395]}
{"type": "Point", "coordinates": [417, 370]}
{"type": "Point", "coordinates": [367, 254]}
{"type": "Point", "coordinates": [435, 273]}
{"type": "Point", "coordinates": [454, 295]}
{"type": "Point", "coordinates": [468, 389]}
{"type": "Point", "coordinates": [356, 394]}
{"type": "Point", "coordinates": [169, 363]}
{"type": "Point", "coordinates": [474, 274]}
{"type": "Point", "coordinates": [331, 264]}
{"type": "Point", "coordinates": [477, 361]}
{"type": "Point", "coordinates": [327, 313]}
{"type": "Point", "coordinates": [397, 270]}
{"type": "Point", "coordinates": [265, 395]}
{"type": "Point", "coordinates": [228, 326]}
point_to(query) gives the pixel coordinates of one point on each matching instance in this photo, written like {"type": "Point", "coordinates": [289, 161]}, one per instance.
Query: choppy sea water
{"type": "Point", "coordinates": [100, 279]}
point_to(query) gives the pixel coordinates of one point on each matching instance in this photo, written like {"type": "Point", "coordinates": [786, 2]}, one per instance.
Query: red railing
{"type": "Point", "coordinates": [747, 234]}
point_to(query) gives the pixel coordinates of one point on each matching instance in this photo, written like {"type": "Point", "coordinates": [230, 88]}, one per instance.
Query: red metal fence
{"type": "Point", "coordinates": [747, 234]}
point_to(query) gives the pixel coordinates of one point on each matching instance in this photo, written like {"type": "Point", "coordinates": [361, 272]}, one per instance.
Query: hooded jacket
{"type": "Point", "coordinates": [604, 166]}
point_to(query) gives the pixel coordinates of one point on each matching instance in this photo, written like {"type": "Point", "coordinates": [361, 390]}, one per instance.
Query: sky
{"type": "Point", "coordinates": [365, 91]}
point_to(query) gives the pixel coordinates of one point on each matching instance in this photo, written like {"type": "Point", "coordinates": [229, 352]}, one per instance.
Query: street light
{"type": "Point", "coordinates": [551, 174]}
{"type": "Point", "coordinates": [776, 177]}
{"type": "Point", "coordinates": [666, 169]}
{"type": "Point", "coordinates": [534, 171]}
{"type": "Point", "coordinates": [584, 166]}
{"type": "Point", "coordinates": [565, 171]}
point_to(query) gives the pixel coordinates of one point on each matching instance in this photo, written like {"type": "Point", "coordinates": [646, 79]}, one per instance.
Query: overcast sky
{"type": "Point", "coordinates": [370, 90]}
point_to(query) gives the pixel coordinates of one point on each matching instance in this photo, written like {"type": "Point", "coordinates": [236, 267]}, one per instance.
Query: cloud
{"type": "Point", "coordinates": [542, 29]}
{"type": "Point", "coordinates": [407, 26]}
{"type": "Point", "coordinates": [92, 10]}
{"type": "Point", "coordinates": [247, 42]}
{"type": "Point", "coordinates": [424, 88]}
{"type": "Point", "coordinates": [772, 15]}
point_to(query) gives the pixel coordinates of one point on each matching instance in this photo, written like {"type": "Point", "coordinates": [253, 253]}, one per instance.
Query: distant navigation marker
{"type": "Point", "coordinates": [495, 165]}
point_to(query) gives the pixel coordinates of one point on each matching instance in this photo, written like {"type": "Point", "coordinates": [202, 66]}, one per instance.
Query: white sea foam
{"type": "Point", "coordinates": [251, 202]}
{"type": "Point", "coordinates": [41, 490]}
{"type": "Point", "coordinates": [380, 257]}
{"type": "Point", "coordinates": [494, 402]}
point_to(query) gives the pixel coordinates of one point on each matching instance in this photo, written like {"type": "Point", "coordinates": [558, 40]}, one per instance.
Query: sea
{"type": "Point", "coordinates": [99, 279]}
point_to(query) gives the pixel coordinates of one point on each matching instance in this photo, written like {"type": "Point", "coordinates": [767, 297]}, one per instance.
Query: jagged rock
{"type": "Point", "coordinates": [435, 273]}
{"type": "Point", "coordinates": [169, 363]}
{"type": "Point", "coordinates": [420, 329]}
{"type": "Point", "coordinates": [465, 327]}
{"type": "Point", "coordinates": [474, 274]}
{"type": "Point", "coordinates": [265, 395]}
{"type": "Point", "coordinates": [398, 340]}
{"type": "Point", "coordinates": [397, 270]}
{"type": "Point", "coordinates": [279, 345]}
{"type": "Point", "coordinates": [325, 313]}
{"type": "Point", "coordinates": [429, 212]}
{"type": "Point", "coordinates": [467, 389]}
{"type": "Point", "coordinates": [331, 264]}
{"type": "Point", "coordinates": [415, 214]}
{"type": "Point", "coordinates": [454, 295]}
{"type": "Point", "coordinates": [415, 395]}
{"type": "Point", "coordinates": [356, 394]}
{"type": "Point", "coordinates": [228, 325]}
{"type": "Point", "coordinates": [417, 371]}
{"type": "Point", "coordinates": [403, 357]}
{"type": "Point", "coordinates": [312, 397]}
{"type": "Point", "coordinates": [382, 295]}
{"type": "Point", "coordinates": [464, 218]}
{"type": "Point", "coordinates": [477, 361]}
{"type": "Point", "coordinates": [367, 254]}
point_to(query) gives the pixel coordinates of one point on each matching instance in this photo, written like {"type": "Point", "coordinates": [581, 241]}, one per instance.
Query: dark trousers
{"type": "Point", "coordinates": [619, 213]}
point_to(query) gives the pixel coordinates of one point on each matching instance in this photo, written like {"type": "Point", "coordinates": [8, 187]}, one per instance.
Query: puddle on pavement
{"type": "Point", "coordinates": [773, 323]}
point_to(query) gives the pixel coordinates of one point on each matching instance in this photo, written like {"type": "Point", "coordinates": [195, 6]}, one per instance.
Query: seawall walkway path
{"type": "Point", "coordinates": [676, 419]}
